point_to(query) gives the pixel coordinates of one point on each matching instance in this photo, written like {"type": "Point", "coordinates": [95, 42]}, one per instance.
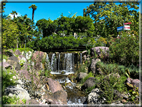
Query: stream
{"type": "Point", "coordinates": [62, 65]}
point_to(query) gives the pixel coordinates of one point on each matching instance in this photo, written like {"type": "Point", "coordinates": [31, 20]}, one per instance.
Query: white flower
{"type": "Point", "coordinates": [22, 61]}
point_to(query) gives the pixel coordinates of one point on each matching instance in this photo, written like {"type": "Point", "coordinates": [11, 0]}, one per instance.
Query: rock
{"type": "Point", "coordinates": [93, 97]}
{"type": "Point", "coordinates": [136, 82]}
{"type": "Point", "coordinates": [6, 65]}
{"type": "Point", "coordinates": [84, 52]}
{"type": "Point", "coordinates": [54, 85]}
{"type": "Point", "coordinates": [81, 75]}
{"type": "Point", "coordinates": [13, 58]}
{"type": "Point", "coordinates": [128, 80]}
{"type": "Point", "coordinates": [32, 101]}
{"type": "Point", "coordinates": [123, 101]}
{"type": "Point", "coordinates": [13, 61]}
{"type": "Point", "coordinates": [17, 52]}
{"type": "Point", "coordinates": [18, 91]}
{"type": "Point", "coordinates": [62, 72]}
{"type": "Point", "coordinates": [28, 77]}
{"type": "Point", "coordinates": [38, 57]}
{"type": "Point", "coordinates": [61, 96]}
{"type": "Point", "coordinates": [97, 50]}
{"type": "Point", "coordinates": [93, 65]}
{"type": "Point", "coordinates": [121, 95]}
{"type": "Point", "coordinates": [90, 82]}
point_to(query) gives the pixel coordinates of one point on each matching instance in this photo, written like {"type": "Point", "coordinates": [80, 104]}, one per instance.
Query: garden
{"type": "Point", "coordinates": [72, 60]}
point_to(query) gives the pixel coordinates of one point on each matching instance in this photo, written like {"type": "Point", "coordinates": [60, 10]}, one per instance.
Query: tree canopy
{"type": "Point", "coordinates": [109, 16]}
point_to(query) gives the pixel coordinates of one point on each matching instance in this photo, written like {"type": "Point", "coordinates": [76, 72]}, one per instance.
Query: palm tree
{"type": "Point", "coordinates": [14, 13]}
{"type": "Point", "coordinates": [34, 7]}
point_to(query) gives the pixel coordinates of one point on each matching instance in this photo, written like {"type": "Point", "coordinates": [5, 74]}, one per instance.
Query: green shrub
{"type": "Point", "coordinates": [5, 57]}
{"type": "Point", "coordinates": [9, 100]}
{"type": "Point", "coordinates": [85, 78]}
{"type": "Point", "coordinates": [115, 68]}
{"type": "Point", "coordinates": [7, 79]}
{"type": "Point", "coordinates": [23, 49]}
{"type": "Point", "coordinates": [82, 68]}
{"type": "Point", "coordinates": [125, 50]}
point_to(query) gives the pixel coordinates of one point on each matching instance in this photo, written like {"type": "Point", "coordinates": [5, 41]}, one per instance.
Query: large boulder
{"type": "Point", "coordinates": [14, 62]}
{"type": "Point", "coordinates": [54, 85]}
{"type": "Point", "coordinates": [61, 96]}
{"type": "Point", "coordinates": [134, 82]}
{"type": "Point", "coordinates": [98, 50]}
{"type": "Point", "coordinates": [93, 65]}
{"type": "Point", "coordinates": [18, 91]}
{"type": "Point", "coordinates": [38, 57]}
{"type": "Point", "coordinates": [94, 97]}
{"type": "Point", "coordinates": [90, 82]}
{"type": "Point", "coordinates": [26, 75]}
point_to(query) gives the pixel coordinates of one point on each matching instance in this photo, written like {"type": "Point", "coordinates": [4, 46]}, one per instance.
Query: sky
{"type": "Point", "coordinates": [47, 10]}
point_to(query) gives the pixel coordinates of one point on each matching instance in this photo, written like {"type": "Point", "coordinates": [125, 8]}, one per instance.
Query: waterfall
{"type": "Point", "coordinates": [69, 63]}
{"type": "Point", "coordinates": [81, 58]}
{"type": "Point", "coordinates": [53, 62]}
{"type": "Point", "coordinates": [59, 62]}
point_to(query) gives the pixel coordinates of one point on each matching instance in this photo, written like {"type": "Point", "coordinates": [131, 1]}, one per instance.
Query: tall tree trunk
{"type": "Point", "coordinates": [33, 14]}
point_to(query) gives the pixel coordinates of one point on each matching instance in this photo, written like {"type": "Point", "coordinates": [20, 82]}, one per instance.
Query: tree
{"type": "Point", "coordinates": [109, 16]}
{"type": "Point", "coordinates": [14, 13]}
{"type": "Point", "coordinates": [25, 29]}
{"type": "Point", "coordinates": [10, 34]}
{"type": "Point", "coordinates": [46, 27]}
{"type": "Point", "coordinates": [84, 24]}
{"type": "Point", "coordinates": [34, 7]}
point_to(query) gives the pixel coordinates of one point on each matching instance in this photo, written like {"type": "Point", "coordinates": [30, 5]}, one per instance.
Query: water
{"type": "Point", "coordinates": [64, 62]}
{"type": "Point", "coordinates": [62, 66]}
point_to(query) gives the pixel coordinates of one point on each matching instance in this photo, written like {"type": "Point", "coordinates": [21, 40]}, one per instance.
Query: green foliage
{"type": "Point", "coordinates": [82, 68]}
{"type": "Point", "coordinates": [10, 31]}
{"type": "Point", "coordinates": [108, 16]}
{"type": "Point", "coordinates": [8, 79]}
{"type": "Point", "coordinates": [115, 68]}
{"type": "Point", "coordinates": [88, 90]}
{"type": "Point", "coordinates": [101, 42]}
{"type": "Point", "coordinates": [24, 101]}
{"type": "Point", "coordinates": [9, 100]}
{"type": "Point", "coordinates": [85, 78]}
{"type": "Point", "coordinates": [5, 57]}
{"type": "Point", "coordinates": [122, 52]}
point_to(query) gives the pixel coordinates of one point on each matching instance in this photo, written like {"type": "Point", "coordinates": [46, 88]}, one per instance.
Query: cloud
{"type": "Point", "coordinates": [12, 16]}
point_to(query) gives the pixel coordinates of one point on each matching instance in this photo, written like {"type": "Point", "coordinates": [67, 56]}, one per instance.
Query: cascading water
{"type": "Point", "coordinates": [65, 62]}
{"type": "Point", "coordinates": [69, 63]}
{"type": "Point", "coordinates": [58, 62]}
{"type": "Point", "coordinates": [81, 58]}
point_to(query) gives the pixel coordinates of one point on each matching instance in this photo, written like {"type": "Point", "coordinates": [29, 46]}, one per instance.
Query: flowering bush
{"type": "Point", "coordinates": [125, 50]}
{"type": "Point", "coordinates": [22, 61]}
